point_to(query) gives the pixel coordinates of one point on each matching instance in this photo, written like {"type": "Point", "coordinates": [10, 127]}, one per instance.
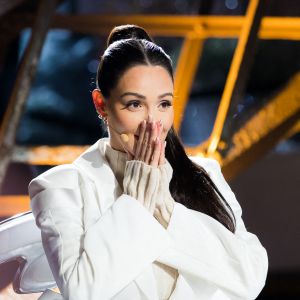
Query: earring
{"type": "Point", "coordinates": [103, 118]}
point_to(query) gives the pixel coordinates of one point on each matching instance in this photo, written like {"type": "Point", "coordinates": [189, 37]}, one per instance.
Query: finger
{"type": "Point", "coordinates": [150, 146]}
{"type": "Point", "coordinates": [160, 128]}
{"type": "Point", "coordinates": [156, 153]}
{"type": "Point", "coordinates": [141, 139]}
{"type": "Point", "coordinates": [144, 143]}
{"type": "Point", "coordinates": [142, 131]}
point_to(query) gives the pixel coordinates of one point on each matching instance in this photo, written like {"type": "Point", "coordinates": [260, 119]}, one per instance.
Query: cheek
{"type": "Point", "coordinates": [125, 123]}
{"type": "Point", "coordinates": [168, 122]}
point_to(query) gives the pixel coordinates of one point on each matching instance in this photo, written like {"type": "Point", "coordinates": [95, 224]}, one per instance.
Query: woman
{"type": "Point", "coordinates": [133, 217]}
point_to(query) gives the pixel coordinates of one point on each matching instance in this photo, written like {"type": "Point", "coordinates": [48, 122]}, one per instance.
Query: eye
{"type": "Point", "coordinates": [165, 104]}
{"type": "Point", "coordinates": [133, 105]}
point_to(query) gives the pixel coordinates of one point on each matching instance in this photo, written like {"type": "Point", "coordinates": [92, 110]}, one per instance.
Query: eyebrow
{"type": "Point", "coordinates": [143, 97]}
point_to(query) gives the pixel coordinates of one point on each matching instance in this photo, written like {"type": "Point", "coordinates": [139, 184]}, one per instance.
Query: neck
{"type": "Point", "coordinates": [114, 141]}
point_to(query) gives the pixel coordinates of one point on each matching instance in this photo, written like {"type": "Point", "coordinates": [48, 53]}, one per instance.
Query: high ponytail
{"type": "Point", "coordinates": [127, 32]}
{"type": "Point", "coordinates": [128, 46]}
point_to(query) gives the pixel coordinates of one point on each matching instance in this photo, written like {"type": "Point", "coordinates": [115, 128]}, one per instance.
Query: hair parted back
{"type": "Point", "coordinates": [128, 46]}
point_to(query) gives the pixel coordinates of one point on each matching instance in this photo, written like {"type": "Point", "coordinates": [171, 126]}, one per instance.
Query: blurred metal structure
{"type": "Point", "coordinates": [194, 30]}
{"type": "Point", "coordinates": [25, 76]}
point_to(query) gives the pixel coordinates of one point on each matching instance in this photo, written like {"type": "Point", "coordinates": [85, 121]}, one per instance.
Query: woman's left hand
{"type": "Point", "coordinates": [149, 147]}
{"type": "Point", "coordinates": [150, 150]}
{"type": "Point", "coordinates": [149, 138]}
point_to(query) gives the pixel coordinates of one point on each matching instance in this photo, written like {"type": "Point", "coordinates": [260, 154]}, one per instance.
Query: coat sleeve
{"type": "Point", "coordinates": [95, 262]}
{"type": "Point", "coordinates": [206, 251]}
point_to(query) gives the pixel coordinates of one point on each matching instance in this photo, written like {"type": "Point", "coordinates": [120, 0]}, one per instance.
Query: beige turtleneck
{"type": "Point", "coordinates": [165, 276]}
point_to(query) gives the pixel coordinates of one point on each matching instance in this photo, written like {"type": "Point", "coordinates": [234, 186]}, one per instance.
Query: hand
{"type": "Point", "coordinates": [150, 186]}
{"type": "Point", "coordinates": [148, 148]}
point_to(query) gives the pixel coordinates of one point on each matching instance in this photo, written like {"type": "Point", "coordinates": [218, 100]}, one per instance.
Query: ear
{"type": "Point", "coordinates": [99, 102]}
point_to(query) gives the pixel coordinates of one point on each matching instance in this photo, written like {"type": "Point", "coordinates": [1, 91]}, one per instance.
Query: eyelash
{"type": "Point", "coordinates": [167, 102]}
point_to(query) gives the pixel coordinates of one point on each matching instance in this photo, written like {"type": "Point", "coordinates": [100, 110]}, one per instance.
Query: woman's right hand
{"type": "Point", "coordinates": [149, 148]}
{"type": "Point", "coordinates": [142, 172]}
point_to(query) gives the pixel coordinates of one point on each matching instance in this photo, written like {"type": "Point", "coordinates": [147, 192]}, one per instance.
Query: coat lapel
{"type": "Point", "coordinates": [94, 165]}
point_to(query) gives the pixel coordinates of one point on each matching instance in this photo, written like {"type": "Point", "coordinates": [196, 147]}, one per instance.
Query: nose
{"type": "Point", "coordinates": [152, 117]}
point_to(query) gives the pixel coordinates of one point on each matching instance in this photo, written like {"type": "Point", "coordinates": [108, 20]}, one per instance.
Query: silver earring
{"type": "Point", "coordinates": [104, 119]}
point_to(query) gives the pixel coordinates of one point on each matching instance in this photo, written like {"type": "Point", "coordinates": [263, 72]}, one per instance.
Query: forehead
{"type": "Point", "coordinates": [144, 78]}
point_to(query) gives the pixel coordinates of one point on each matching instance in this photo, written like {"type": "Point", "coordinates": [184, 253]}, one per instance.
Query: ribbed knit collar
{"type": "Point", "coordinates": [116, 159]}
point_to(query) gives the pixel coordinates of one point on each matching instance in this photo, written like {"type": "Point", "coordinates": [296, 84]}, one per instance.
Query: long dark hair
{"type": "Point", "coordinates": [128, 46]}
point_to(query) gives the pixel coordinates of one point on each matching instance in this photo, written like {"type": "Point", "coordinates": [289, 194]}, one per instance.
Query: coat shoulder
{"type": "Point", "coordinates": [66, 175]}
{"type": "Point", "coordinates": [213, 168]}
{"type": "Point", "coordinates": [61, 176]}
{"type": "Point", "coordinates": [209, 164]}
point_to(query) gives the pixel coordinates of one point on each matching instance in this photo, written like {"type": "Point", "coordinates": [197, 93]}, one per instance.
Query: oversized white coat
{"type": "Point", "coordinates": [101, 245]}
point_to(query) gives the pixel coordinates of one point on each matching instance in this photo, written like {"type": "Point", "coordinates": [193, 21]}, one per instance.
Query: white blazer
{"type": "Point", "coordinates": [101, 245]}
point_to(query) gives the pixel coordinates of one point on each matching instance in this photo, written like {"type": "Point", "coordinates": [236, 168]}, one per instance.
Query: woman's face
{"type": "Point", "coordinates": [141, 92]}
